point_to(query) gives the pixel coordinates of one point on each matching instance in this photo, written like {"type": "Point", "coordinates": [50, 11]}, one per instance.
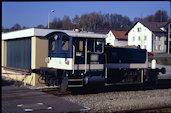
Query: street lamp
{"type": "Point", "coordinates": [49, 15]}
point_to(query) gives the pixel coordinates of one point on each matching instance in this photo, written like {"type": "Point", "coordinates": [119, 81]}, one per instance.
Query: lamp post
{"type": "Point", "coordinates": [49, 15]}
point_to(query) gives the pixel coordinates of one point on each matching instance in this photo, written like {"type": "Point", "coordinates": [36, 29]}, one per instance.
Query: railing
{"type": "Point", "coordinates": [16, 69]}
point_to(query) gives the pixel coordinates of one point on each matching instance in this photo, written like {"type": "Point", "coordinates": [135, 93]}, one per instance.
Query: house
{"type": "Point", "coordinates": [117, 38]}
{"type": "Point", "coordinates": [149, 35]}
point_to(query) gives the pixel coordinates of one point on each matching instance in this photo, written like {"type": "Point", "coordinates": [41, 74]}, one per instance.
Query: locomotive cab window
{"type": "Point", "coordinates": [99, 46]}
{"type": "Point", "coordinates": [65, 43]}
{"type": "Point", "coordinates": [52, 44]}
{"type": "Point", "coordinates": [94, 45]}
{"type": "Point", "coordinates": [90, 45]}
{"type": "Point", "coordinates": [79, 45]}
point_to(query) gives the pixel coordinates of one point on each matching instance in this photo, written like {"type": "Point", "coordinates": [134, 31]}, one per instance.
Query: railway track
{"type": "Point", "coordinates": [162, 84]}
{"type": "Point", "coordinates": [166, 109]}
{"type": "Point", "coordinates": [133, 98]}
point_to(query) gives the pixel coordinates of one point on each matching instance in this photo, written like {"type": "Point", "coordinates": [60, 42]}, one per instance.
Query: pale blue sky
{"type": "Point", "coordinates": [31, 14]}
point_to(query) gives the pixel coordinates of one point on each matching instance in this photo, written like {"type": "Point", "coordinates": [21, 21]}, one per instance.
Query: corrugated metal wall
{"type": "Point", "coordinates": [18, 53]}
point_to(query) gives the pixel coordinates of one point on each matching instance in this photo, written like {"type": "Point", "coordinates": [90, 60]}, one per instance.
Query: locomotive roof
{"type": "Point", "coordinates": [80, 34]}
{"type": "Point", "coordinates": [43, 32]}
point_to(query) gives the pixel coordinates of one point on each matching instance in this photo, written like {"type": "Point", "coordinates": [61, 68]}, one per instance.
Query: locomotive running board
{"type": "Point", "coordinates": [75, 85]}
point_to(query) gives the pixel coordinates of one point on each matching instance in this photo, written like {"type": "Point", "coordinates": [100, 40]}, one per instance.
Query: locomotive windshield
{"type": "Point", "coordinates": [65, 43]}
{"type": "Point", "coordinates": [52, 44]}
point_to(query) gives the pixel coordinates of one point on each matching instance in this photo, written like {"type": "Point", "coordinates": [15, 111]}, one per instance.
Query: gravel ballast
{"type": "Point", "coordinates": [124, 100]}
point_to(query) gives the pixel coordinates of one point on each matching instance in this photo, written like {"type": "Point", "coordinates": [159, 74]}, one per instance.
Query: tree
{"type": "Point", "coordinates": [66, 23]}
{"type": "Point", "coordinates": [15, 27]}
{"type": "Point", "coordinates": [159, 16]}
{"type": "Point", "coordinates": [76, 21]}
{"type": "Point", "coordinates": [41, 26]}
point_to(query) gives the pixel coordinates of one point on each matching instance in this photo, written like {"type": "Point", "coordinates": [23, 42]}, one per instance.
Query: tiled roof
{"type": "Point", "coordinates": [119, 34]}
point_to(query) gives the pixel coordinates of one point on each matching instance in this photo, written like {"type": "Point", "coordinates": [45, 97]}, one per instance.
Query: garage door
{"type": "Point", "coordinates": [18, 53]}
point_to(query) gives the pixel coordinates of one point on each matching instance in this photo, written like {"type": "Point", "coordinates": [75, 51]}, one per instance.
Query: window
{"type": "Point", "coordinates": [18, 53]}
{"type": "Point", "coordinates": [139, 38]}
{"type": "Point", "coordinates": [79, 45]}
{"type": "Point", "coordinates": [159, 47]}
{"type": "Point", "coordinates": [155, 48]}
{"type": "Point", "coordinates": [138, 29]}
{"type": "Point", "coordinates": [90, 45]}
{"type": "Point", "coordinates": [52, 44]}
{"type": "Point", "coordinates": [133, 38]}
{"type": "Point", "coordinates": [65, 43]}
{"type": "Point", "coordinates": [145, 38]}
{"type": "Point", "coordinates": [98, 46]}
{"type": "Point", "coordinates": [159, 38]}
{"type": "Point", "coordinates": [95, 45]}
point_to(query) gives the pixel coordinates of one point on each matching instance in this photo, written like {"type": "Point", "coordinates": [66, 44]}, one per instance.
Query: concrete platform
{"type": "Point", "coordinates": [22, 100]}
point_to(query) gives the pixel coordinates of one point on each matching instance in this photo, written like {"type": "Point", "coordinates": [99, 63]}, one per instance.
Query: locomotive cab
{"type": "Point", "coordinates": [74, 59]}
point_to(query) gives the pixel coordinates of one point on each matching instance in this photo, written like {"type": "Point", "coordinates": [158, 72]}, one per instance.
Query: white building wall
{"type": "Point", "coordinates": [145, 40]}
{"type": "Point", "coordinates": [110, 38]}
{"type": "Point", "coordinates": [115, 42]}
{"type": "Point", "coordinates": [159, 45]}
{"type": "Point", "coordinates": [120, 43]}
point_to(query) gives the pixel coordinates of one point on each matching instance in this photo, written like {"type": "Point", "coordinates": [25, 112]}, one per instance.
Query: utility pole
{"type": "Point", "coordinates": [168, 38]}
{"type": "Point", "coordinates": [169, 32]}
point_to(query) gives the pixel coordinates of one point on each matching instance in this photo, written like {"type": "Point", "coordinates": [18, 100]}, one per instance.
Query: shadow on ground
{"type": "Point", "coordinates": [5, 82]}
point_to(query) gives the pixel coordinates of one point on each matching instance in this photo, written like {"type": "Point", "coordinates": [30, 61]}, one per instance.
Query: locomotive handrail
{"type": "Point", "coordinates": [85, 57]}
{"type": "Point", "coordinates": [73, 59]}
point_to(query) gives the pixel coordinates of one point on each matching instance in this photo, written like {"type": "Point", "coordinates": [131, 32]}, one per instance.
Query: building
{"type": "Point", "coordinates": [117, 38]}
{"type": "Point", "coordinates": [149, 35]}
{"type": "Point", "coordinates": [27, 49]}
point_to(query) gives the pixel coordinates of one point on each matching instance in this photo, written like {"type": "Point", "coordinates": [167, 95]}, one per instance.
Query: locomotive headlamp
{"type": "Point", "coordinates": [47, 59]}
{"type": "Point", "coordinates": [67, 62]}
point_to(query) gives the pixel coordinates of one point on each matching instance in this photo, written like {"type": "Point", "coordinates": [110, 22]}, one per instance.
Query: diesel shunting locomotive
{"type": "Point", "coordinates": [82, 58]}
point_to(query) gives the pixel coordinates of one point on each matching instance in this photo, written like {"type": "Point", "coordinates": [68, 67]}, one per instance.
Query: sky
{"type": "Point", "coordinates": [31, 14]}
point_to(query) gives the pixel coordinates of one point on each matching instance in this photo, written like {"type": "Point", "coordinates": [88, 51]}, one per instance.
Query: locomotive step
{"type": "Point", "coordinates": [75, 79]}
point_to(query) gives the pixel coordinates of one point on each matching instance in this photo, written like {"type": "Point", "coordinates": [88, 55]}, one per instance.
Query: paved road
{"type": "Point", "coordinates": [22, 100]}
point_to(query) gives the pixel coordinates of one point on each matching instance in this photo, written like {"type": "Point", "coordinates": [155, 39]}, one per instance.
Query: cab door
{"type": "Point", "coordinates": [79, 50]}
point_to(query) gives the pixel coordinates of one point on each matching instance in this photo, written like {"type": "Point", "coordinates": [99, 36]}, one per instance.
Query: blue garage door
{"type": "Point", "coordinates": [19, 53]}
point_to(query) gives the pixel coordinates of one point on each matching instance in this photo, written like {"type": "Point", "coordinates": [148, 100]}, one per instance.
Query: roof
{"type": "Point", "coordinates": [119, 34]}
{"type": "Point", "coordinates": [152, 26]}
{"type": "Point", "coordinates": [43, 32]}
